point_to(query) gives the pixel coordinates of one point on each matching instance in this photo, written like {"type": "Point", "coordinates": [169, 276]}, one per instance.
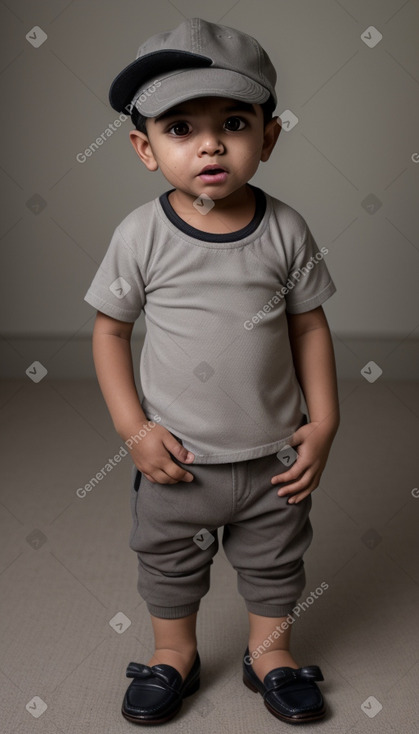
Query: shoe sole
{"type": "Point", "coordinates": [142, 720]}
{"type": "Point", "coordinates": [288, 719]}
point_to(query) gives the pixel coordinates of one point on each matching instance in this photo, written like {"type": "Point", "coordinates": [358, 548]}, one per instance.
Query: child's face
{"type": "Point", "coordinates": [205, 132]}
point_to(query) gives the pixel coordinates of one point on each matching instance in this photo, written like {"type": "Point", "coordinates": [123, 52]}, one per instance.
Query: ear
{"type": "Point", "coordinates": [270, 136]}
{"type": "Point", "coordinates": [142, 147]}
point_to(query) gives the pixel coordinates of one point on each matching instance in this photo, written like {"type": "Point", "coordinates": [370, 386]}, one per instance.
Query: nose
{"type": "Point", "coordinates": [210, 143]}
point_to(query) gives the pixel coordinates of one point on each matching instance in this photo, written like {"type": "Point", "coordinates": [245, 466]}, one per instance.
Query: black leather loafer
{"type": "Point", "coordinates": [289, 694]}
{"type": "Point", "coordinates": [156, 694]}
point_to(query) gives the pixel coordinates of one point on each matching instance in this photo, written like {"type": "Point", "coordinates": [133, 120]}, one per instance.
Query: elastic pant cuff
{"type": "Point", "coordinates": [270, 610]}
{"type": "Point", "coordinates": [173, 612]}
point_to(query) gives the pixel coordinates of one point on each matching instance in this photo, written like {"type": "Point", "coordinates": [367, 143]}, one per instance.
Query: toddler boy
{"type": "Point", "coordinates": [231, 282]}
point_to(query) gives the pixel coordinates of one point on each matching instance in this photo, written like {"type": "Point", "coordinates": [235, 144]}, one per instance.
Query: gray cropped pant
{"type": "Point", "coordinates": [175, 536]}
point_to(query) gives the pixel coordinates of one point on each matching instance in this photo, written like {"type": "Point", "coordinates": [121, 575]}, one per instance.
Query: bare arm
{"type": "Point", "coordinates": [314, 363]}
{"type": "Point", "coordinates": [113, 362]}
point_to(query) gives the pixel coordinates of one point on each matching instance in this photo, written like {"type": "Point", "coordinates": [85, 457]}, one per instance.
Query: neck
{"type": "Point", "coordinates": [227, 215]}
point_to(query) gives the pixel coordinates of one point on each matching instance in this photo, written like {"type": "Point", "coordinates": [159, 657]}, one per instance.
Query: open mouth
{"type": "Point", "coordinates": [213, 174]}
{"type": "Point", "coordinates": [212, 171]}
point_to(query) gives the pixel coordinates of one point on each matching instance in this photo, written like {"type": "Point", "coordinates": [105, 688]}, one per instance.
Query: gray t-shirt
{"type": "Point", "coordinates": [216, 365]}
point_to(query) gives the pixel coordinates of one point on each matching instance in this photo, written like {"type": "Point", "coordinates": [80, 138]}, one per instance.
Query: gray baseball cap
{"type": "Point", "coordinates": [196, 59]}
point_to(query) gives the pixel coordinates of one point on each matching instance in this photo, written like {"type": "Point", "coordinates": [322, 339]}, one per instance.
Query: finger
{"type": "Point", "coordinates": [299, 486]}
{"type": "Point", "coordinates": [302, 495]}
{"type": "Point", "coordinates": [296, 498]}
{"type": "Point", "coordinates": [177, 450]}
{"type": "Point", "coordinates": [173, 473]}
{"type": "Point", "coordinates": [160, 478]}
{"type": "Point", "coordinates": [166, 470]}
{"type": "Point", "coordinates": [186, 476]}
{"type": "Point", "coordinates": [158, 475]}
{"type": "Point", "coordinates": [177, 473]}
{"type": "Point", "coordinates": [291, 489]}
{"type": "Point", "coordinates": [285, 477]}
{"type": "Point", "coordinates": [304, 490]}
{"type": "Point", "coordinates": [291, 475]}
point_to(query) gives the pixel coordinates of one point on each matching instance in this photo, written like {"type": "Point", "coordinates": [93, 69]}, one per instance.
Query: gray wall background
{"type": "Point", "coordinates": [350, 165]}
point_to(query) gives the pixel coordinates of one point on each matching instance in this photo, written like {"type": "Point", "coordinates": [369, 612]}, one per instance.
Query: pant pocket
{"type": "Point", "coordinates": [136, 479]}
{"type": "Point", "coordinates": [135, 485]}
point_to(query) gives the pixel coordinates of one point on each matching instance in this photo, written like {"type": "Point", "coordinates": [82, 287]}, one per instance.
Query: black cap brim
{"type": "Point", "coordinates": [146, 69]}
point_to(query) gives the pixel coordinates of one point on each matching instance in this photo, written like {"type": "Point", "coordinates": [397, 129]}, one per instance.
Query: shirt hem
{"type": "Point", "coordinates": [242, 455]}
{"type": "Point", "coordinates": [314, 302]}
{"type": "Point", "coordinates": [109, 309]}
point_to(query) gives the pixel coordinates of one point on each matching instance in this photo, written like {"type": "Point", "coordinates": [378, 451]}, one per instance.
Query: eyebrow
{"type": "Point", "coordinates": [178, 111]}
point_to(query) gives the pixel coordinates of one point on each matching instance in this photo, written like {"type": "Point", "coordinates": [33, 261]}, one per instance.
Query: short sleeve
{"type": "Point", "coordinates": [118, 287]}
{"type": "Point", "coordinates": [309, 283]}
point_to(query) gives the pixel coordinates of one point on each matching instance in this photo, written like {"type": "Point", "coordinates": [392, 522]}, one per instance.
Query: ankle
{"type": "Point", "coordinates": [181, 660]}
{"type": "Point", "coordinates": [270, 659]}
{"type": "Point", "coordinates": [184, 651]}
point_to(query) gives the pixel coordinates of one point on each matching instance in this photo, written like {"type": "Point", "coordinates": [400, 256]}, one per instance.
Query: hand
{"type": "Point", "coordinates": [314, 441]}
{"type": "Point", "coordinates": [151, 457]}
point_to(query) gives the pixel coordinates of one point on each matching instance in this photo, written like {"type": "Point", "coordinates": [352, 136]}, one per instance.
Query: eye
{"type": "Point", "coordinates": [234, 124]}
{"type": "Point", "coordinates": [179, 129]}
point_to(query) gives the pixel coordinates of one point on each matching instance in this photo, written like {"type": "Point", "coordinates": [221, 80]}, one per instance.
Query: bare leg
{"type": "Point", "coordinates": [175, 642]}
{"type": "Point", "coordinates": [277, 654]}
